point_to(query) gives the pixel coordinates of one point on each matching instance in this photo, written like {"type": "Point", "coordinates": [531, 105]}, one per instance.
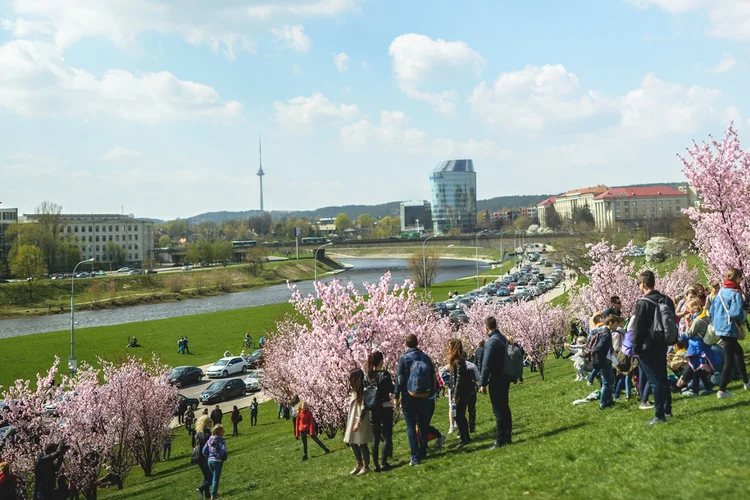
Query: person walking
{"type": "Point", "coordinates": [358, 429]}
{"type": "Point", "coordinates": [236, 418]}
{"type": "Point", "coordinates": [254, 413]}
{"type": "Point", "coordinates": [499, 383]}
{"type": "Point", "coordinates": [415, 384]}
{"type": "Point", "coordinates": [304, 427]}
{"type": "Point", "coordinates": [650, 346]}
{"type": "Point", "coordinates": [215, 450]}
{"type": "Point", "coordinates": [461, 388]}
{"type": "Point", "coordinates": [216, 415]}
{"type": "Point", "coordinates": [201, 438]}
{"type": "Point", "coordinates": [381, 415]}
{"type": "Point", "coordinates": [728, 316]}
{"type": "Point", "coordinates": [189, 420]}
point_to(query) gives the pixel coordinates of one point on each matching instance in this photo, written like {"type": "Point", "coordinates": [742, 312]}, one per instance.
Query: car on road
{"type": "Point", "coordinates": [185, 375]}
{"type": "Point", "coordinates": [450, 304]}
{"type": "Point", "coordinates": [503, 291]}
{"type": "Point", "coordinates": [134, 272]}
{"type": "Point", "coordinates": [150, 271]}
{"type": "Point", "coordinates": [253, 383]}
{"type": "Point", "coordinates": [255, 359]}
{"type": "Point", "coordinates": [441, 308]}
{"type": "Point", "coordinates": [512, 286]}
{"type": "Point", "coordinates": [191, 403]}
{"type": "Point", "coordinates": [186, 268]}
{"type": "Point", "coordinates": [99, 273]}
{"type": "Point", "coordinates": [227, 366]}
{"type": "Point", "coordinates": [3, 280]}
{"type": "Point", "coordinates": [124, 270]}
{"type": "Point", "coordinates": [223, 390]}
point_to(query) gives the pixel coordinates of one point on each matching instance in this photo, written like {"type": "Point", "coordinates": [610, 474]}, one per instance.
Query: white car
{"type": "Point", "coordinates": [253, 381]}
{"type": "Point", "coordinates": [227, 366]}
{"type": "Point", "coordinates": [186, 268]}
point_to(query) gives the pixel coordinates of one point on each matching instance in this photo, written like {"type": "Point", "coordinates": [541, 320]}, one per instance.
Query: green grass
{"type": "Point", "coordinates": [560, 451]}
{"type": "Point", "coordinates": [693, 262]}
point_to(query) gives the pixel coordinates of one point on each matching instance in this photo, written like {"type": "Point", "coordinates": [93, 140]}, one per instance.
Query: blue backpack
{"type": "Point", "coordinates": [421, 379]}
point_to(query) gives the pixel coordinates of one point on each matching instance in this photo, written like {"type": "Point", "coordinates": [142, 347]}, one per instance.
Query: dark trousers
{"type": "Point", "coordinates": [303, 435]}
{"type": "Point", "coordinates": [207, 477]}
{"type": "Point", "coordinates": [654, 363]}
{"type": "Point", "coordinates": [361, 454]}
{"type": "Point", "coordinates": [644, 388]}
{"type": "Point", "coordinates": [234, 429]}
{"type": "Point", "coordinates": [472, 406]}
{"type": "Point", "coordinates": [734, 356]}
{"type": "Point", "coordinates": [499, 392]}
{"type": "Point", "coordinates": [460, 419]}
{"type": "Point", "coordinates": [417, 412]}
{"type": "Point", "coordinates": [608, 384]}
{"type": "Point", "coordinates": [696, 376]}
{"type": "Point", "coordinates": [382, 431]}
{"type": "Point", "coordinates": [253, 419]}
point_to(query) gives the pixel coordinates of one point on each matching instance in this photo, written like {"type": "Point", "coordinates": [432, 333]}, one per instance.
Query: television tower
{"type": "Point", "coordinates": [260, 172]}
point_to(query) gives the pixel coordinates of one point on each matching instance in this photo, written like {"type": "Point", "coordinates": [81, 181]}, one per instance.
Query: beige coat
{"type": "Point", "coordinates": [364, 434]}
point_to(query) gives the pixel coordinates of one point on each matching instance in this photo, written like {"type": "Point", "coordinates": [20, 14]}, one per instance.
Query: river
{"type": "Point", "coordinates": [363, 270]}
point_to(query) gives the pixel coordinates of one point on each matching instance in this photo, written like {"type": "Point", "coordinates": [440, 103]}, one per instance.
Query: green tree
{"type": "Point", "coordinates": [27, 262]}
{"type": "Point", "coordinates": [553, 219]}
{"type": "Point", "coordinates": [223, 251]}
{"type": "Point", "coordinates": [522, 223]}
{"type": "Point", "coordinates": [114, 253]}
{"type": "Point", "coordinates": [256, 257]}
{"type": "Point", "coordinates": [206, 251]}
{"type": "Point", "coordinates": [177, 229]}
{"type": "Point", "coordinates": [583, 216]}
{"type": "Point", "coordinates": [165, 241]}
{"type": "Point", "coordinates": [193, 254]}
{"type": "Point", "coordinates": [342, 223]}
{"type": "Point", "coordinates": [365, 221]}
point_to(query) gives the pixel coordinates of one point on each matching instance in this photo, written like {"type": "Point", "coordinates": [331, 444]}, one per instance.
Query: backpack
{"type": "Point", "coordinates": [473, 370]}
{"type": "Point", "coordinates": [513, 363]}
{"type": "Point", "coordinates": [589, 350]}
{"type": "Point", "coordinates": [665, 322]}
{"type": "Point", "coordinates": [197, 455]}
{"type": "Point", "coordinates": [420, 383]}
{"type": "Point", "coordinates": [370, 398]}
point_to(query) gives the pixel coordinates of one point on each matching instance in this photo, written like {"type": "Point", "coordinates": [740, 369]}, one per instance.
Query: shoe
{"type": "Point", "coordinates": [646, 406]}
{"type": "Point", "coordinates": [667, 415]}
{"type": "Point", "coordinates": [363, 471]}
{"type": "Point", "coordinates": [657, 420]}
{"type": "Point", "coordinates": [472, 430]}
{"type": "Point", "coordinates": [414, 463]}
{"type": "Point", "coordinates": [199, 493]}
{"type": "Point", "coordinates": [689, 394]}
{"type": "Point", "coordinates": [355, 471]}
{"type": "Point", "coordinates": [377, 469]}
{"type": "Point", "coordinates": [462, 444]}
{"type": "Point", "coordinates": [707, 392]}
{"type": "Point", "coordinates": [724, 394]}
{"type": "Point", "coordinates": [496, 445]}
{"type": "Point", "coordinates": [589, 384]}
{"type": "Point", "coordinates": [304, 458]}
{"type": "Point", "coordinates": [440, 442]}
{"type": "Point", "coordinates": [450, 430]}
{"type": "Point", "coordinates": [327, 451]}
{"type": "Point", "coordinates": [386, 468]}
{"type": "Point", "coordinates": [747, 386]}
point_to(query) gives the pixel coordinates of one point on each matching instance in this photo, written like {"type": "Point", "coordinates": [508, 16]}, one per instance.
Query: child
{"type": "Point", "coordinates": [603, 362]}
{"type": "Point", "coordinates": [445, 375]}
{"type": "Point", "coordinates": [305, 426]}
{"type": "Point", "coordinates": [254, 413]}
{"type": "Point", "coordinates": [698, 366]}
{"type": "Point", "coordinates": [358, 428]}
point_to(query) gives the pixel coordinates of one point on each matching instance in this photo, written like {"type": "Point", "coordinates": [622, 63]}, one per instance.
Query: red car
{"type": "Point", "coordinates": [512, 286]}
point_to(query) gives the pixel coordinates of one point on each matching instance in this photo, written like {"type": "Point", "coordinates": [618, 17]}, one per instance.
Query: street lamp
{"type": "Point", "coordinates": [502, 248]}
{"type": "Point", "coordinates": [476, 249]}
{"type": "Point", "coordinates": [424, 263]}
{"type": "Point", "coordinates": [72, 359]}
{"type": "Point", "coordinates": [315, 258]}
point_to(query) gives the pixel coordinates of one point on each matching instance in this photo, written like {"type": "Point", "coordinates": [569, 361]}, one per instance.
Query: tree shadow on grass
{"type": "Point", "coordinates": [560, 430]}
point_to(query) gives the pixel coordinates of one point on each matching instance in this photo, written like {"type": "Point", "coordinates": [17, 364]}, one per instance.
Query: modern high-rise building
{"type": "Point", "coordinates": [416, 216]}
{"type": "Point", "coordinates": [453, 186]}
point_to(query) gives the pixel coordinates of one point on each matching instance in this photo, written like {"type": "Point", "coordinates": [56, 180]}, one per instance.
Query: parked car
{"type": "Point", "coordinates": [255, 359]}
{"type": "Point", "coordinates": [3, 280]}
{"type": "Point", "coordinates": [186, 268]}
{"type": "Point", "coordinates": [512, 286]}
{"type": "Point", "coordinates": [227, 366]}
{"type": "Point", "coordinates": [99, 273]}
{"type": "Point", "coordinates": [124, 270]}
{"type": "Point", "coordinates": [223, 390]}
{"type": "Point", "coordinates": [441, 308]}
{"type": "Point", "coordinates": [184, 375]}
{"type": "Point", "coordinates": [252, 383]}
{"type": "Point", "coordinates": [150, 271]}
{"type": "Point", "coordinates": [503, 291]}
{"type": "Point", "coordinates": [191, 403]}
{"type": "Point", "coordinates": [450, 304]}
{"type": "Point", "coordinates": [133, 272]}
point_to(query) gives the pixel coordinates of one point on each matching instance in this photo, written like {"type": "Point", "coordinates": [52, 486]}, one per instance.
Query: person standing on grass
{"type": "Point", "coordinates": [650, 346]}
{"type": "Point", "coordinates": [416, 382]}
{"type": "Point", "coordinates": [215, 450]}
{"type": "Point", "coordinates": [167, 449]}
{"type": "Point", "coordinates": [479, 355]}
{"type": "Point", "coordinates": [185, 345]}
{"type": "Point", "coordinates": [499, 383]}
{"type": "Point", "coordinates": [216, 415]}
{"type": "Point", "coordinates": [698, 367]}
{"type": "Point", "coordinates": [235, 418]}
{"type": "Point", "coordinates": [254, 413]}
{"type": "Point", "coordinates": [381, 416]}
{"type": "Point", "coordinates": [304, 427]}
{"type": "Point", "coordinates": [728, 316]}
{"type": "Point", "coordinates": [603, 362]}
{"type": "Point", "coordinates": [474, 375]}
{"type": "Point", "coordinates": [461, 388]}
{"type": "Point", "coordinates": [358, 429]}
{"type": "Point", "coordinates": [201, 438]}
{"type": "Point", "coordinates": [189, 420]}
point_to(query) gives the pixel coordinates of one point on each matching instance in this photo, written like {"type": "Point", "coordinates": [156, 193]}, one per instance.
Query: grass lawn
{"type": "Point", "coordinates": [560, 451]}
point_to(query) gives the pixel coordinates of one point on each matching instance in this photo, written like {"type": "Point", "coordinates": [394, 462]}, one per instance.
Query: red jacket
{"type": "Point", "coordinates": [305, 422]}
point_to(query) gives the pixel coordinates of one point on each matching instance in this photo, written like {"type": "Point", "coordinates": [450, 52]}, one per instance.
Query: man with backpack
{"type": "Point", "coordinates": [494, 374]}
{"type": "Point", "coordinates": [416, 382]}
{"type": "Point", "coordinates": [654, 330]}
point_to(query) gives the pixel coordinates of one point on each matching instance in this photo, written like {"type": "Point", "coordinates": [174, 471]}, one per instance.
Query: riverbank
{"type": "Point", "coordinates": [486, 255]}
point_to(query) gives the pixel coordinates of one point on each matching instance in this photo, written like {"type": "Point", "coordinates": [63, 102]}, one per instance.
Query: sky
{"type": "Point", "coordinates": [155, 107]}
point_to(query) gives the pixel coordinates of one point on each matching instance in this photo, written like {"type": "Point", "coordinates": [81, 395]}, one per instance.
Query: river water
{"type": "Point", "coordinates": [363, 270]}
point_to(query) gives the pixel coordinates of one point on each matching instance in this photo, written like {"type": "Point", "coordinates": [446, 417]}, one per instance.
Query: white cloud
{"type": "Point", "coordinates": [35, 80]}
{"type": "Point", "coordinates": [444, 102]}
{"type": "Point", "coordinates": [341, 61]}
{"type": "Point", "coordinates": [728, 18]}
{"type": "Point", "coordinates": [300, 114]}
{"type": "Point", "coordinates": [534, 98]}
{"type": "Point", "coordinates": [418, 57]}
{"type": "Point", "coordinates": [230, 26]}
{"type": "Point", "coordinates": [119, 153]}
{"type": "Point", "coordinates": [725, 65]}
{"type": "Point", "coordinates": [292, 37]}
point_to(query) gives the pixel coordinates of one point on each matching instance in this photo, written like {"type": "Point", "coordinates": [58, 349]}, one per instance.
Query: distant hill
{"type": "Point", "coordinates": [390, 208]}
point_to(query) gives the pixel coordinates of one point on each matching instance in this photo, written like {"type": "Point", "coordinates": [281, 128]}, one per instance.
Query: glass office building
{"type": "Point", "coordinates": [453, 186]}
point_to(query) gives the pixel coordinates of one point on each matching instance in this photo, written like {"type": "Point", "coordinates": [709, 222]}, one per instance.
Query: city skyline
{"type": "Point", "coordinates": [153, 107]}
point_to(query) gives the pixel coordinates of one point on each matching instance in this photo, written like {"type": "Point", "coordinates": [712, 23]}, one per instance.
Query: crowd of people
{"type": "Point", "coordinates": [697, 340]}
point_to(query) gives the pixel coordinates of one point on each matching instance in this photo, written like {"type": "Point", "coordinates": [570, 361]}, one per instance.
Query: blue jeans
{"type": "Point", "coordinates": [417, 412]}
{"type": "Point", "coordinates": [215, 468]}
{"type": "Point", "coordinates": [594, 373]}
{"type": "Point", "coordinates": [654, 364]}
{"type": "Point", "coordinates": [623, 382]}
{"type": "Point", "coordinates": [608, 384]}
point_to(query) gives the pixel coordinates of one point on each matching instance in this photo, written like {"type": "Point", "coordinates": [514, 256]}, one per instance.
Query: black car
{"type": "Point", "coordinates": [223, 390]}
{"type": "Point", "coordinates": [186, 403]}
{"type": "Point", "coordinates": [255, 360]}
{"type": "Point", "coordinates": [185, 375]}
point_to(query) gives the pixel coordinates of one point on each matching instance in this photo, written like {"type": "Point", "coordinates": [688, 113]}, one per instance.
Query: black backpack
{"type": "Point", "coordinates": [664, 326]}
{"type": "Point", "coordinates": [589, 349]}
{"type": "Point", "coordinates": [513, 365]}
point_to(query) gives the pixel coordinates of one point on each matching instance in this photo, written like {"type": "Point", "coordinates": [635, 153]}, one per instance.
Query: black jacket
{"type": "Point", "coordinates": [383, 381]}
{"type": "Point", "coordinates": [643, 321]}
{"type": "Point", "coordinates": [479, 354]}
{"type": "Point", "coordinates": [216, 416]}
{"type": "Point", "coordinates": [45, 473]}
{"type": "Point", "coordinates": [602, 347]}
{"type": "Point", "coordinates": [201, 438]}
{"type": "Point", "coordinates": [462, 385]}
{"type": "Point", "coordinates": [494, 358]}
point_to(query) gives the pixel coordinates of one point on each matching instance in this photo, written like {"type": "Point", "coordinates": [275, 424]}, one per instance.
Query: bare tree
{"type": "Point", "coordinates": [424, 268]}
{"type": "Point", "coordinates": [256, 257]}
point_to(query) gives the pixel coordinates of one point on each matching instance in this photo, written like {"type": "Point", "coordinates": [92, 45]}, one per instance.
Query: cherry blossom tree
{"type": "Point", "coordinates": [720, 172]}
{"type": "Point", "coordinates": [673, 283]}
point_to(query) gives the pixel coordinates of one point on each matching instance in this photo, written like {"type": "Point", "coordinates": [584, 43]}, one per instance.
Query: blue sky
{"type": "Point", "coordinates": [156, 105]}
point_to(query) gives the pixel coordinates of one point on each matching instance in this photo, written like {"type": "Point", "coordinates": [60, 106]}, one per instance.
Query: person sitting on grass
{"type": "Point", "coordinates": [304, 427]}
{"type": "Point", "coordinates": [698, 367]}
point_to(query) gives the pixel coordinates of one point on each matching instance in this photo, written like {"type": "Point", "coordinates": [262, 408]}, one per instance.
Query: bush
{"type": "Point", "coordinates": [175, 283]}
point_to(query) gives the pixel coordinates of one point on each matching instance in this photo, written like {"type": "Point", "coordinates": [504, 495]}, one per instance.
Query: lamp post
{"type": "Point", "coordinates": [502, 247]}
{"type": "Point", "coordinates": [315, 258]}
{"type": "Point", "coordinates": [476, 251]}
{"type": "Point", "coordinates": [424, 264]}
{"type": "Point", "coordinates": [72, 359]}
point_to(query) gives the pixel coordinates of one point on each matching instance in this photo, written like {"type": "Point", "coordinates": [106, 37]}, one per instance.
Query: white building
{"type": "Point", "coordinates": [8, 216]}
